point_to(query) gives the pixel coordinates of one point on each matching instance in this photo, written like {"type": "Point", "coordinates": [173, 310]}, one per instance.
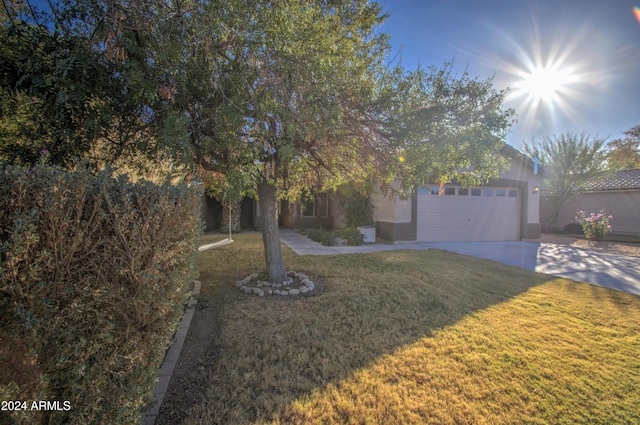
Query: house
{"type": "Point", "coordinates": [618, 194]}
{"type": "Point", "coordinates": [505, 209]}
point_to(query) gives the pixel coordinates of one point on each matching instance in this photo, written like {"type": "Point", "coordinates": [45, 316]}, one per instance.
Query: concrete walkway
{"type": "Point", "coordinates": [617, 272]}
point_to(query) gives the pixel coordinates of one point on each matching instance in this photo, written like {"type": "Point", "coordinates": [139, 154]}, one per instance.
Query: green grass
{"type": "Point", "coordinates": [414, 337]}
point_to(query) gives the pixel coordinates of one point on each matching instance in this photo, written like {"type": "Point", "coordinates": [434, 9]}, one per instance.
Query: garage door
{"type": "Point", "coordinates": [468, 214]}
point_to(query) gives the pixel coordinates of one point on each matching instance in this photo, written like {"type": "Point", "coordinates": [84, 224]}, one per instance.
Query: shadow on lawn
{"type": "Point", "coordinates": [368, 305]}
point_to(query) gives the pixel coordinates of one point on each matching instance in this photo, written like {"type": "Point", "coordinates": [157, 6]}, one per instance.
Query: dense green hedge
{"type": "Point", "coordinates": [94, 274]}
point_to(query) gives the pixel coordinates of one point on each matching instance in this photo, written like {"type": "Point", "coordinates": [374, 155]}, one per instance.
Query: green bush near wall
{"type": "Point", "coordinates": [94, 275]}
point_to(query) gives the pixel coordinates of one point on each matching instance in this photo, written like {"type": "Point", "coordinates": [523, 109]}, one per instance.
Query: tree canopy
{"type": "Point", "coordinates": [571, 161]}
{"type": "Point", "coordinates": [292, 96]}
{"type": "Point", "coordinates": [625, 152]}
{"type": "Point", "coordinates": [80, 80]}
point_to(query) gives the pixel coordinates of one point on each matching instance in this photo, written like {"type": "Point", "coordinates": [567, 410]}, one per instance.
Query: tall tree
{"type": "Point", "coordinates": [296, 93]}
{"type": "Point", "coordinates": [572, 161]}
{"type": "Point", "coordinates": [625, 153]}
{"type": "Point", "coordinates": [287, 86]}
{"type": "Point", "coordinates": [299, 92]}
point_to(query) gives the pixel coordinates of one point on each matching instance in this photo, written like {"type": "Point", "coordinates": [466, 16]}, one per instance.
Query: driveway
{"type": "Point", "coordinates": [612, 271]}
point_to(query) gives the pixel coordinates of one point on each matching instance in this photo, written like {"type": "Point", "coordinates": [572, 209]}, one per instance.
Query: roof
{"type": "Point", "coordinates": [620, 180]}
{"type": "Point", "coordinates": [513, 153]}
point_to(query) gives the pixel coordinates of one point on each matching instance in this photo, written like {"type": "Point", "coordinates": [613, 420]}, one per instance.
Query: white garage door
{"type": "Point", "coordinates": [468, 214]}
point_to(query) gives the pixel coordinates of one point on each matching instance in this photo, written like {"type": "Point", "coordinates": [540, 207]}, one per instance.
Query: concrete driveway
{"type": "Point", "coordinates": [617, 272]}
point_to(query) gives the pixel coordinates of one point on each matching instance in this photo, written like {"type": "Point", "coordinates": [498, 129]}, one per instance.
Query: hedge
{"type": "Point", "coordinates": [94, 271]}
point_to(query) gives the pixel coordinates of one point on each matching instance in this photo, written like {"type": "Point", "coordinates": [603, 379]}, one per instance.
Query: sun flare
{"type": "Point", "coordinates": [544, 83]}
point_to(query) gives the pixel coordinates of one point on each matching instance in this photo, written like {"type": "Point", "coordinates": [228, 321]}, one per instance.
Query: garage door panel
{"type": "Point", "coordinates": [453, 218]}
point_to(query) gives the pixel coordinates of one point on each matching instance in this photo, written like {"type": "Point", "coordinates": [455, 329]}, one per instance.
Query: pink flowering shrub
{"type": "Point", "coordinates": [595, 226]}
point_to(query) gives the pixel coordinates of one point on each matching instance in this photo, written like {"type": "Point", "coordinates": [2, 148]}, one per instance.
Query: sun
{"type": "Point", "coordinates": [544, 83]}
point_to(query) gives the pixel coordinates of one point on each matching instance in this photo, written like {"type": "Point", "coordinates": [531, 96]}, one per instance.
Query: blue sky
{"type": "Point", "coordinates": [570, 65]}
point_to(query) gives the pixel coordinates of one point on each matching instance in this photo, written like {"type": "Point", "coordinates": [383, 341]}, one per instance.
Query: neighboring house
{"type": "Point", "coordinates": [618, 194]}
{"type": "Point", "coordinates": [506, 209]}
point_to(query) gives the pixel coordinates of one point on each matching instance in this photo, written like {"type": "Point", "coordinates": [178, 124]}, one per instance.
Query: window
{"type": "Point", "coordinates": [513, 193]}
{"type": "Point", "coordinates": [501, 192]}
{"type": "Point", "coordinates": [449, 190]}
{"type": "Point", "coordinates": [434, 190]}
{"type": "Point", "coordinates": [318, 207]}
{"type": "Point", "coordinates": [488, 192]}
{"type": "Point", "coordinates": [475, 192]}
{"type": "Point", "coordinates": [463, 191]}
{"type": "Point", "coordinates": [308, 209]}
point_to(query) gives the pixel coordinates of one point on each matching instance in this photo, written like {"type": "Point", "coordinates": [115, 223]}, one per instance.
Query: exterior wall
{"type": "Point", "coordinates": [290, 215]}
{"type": "Point", "coordinates": [531, 219]}
{"type": "Point", "coordinates": [624, 206]}
{"type": "Point", "coordinates": [394, 217]}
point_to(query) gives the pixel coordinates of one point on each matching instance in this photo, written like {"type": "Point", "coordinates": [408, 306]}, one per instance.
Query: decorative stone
{"type": "Point", "coordinates": [295, 283]}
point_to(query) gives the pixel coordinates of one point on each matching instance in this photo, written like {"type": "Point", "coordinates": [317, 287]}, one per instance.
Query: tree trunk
{"type": "Point", "coordinates": [270, 232]}
{"type": "Point", "coordinates": [234, 209]}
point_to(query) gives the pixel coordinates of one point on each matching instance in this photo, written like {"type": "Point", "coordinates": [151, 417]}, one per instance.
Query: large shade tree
{"type": "Point", "coordinates": [297, 94]}
{"type": "Point", "coordinates": [301, 91]}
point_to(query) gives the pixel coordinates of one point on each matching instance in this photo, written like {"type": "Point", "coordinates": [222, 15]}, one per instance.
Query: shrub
{"type": "Point", "coordinates": [595, 226]}
{"type": "Point", "coordinates": [94, 275]}
{"type": "Point", "coordinates": [328, 238]}
{"type": "Point", "coordinates": [323, 236]}
{"type": "Point", "coordinates": [573, 228]}
{"type": "Point", "coordinates": [356, 206]}
{"type": "Point", "coordinates": [315, 234]}
{"type": "Point", "coordinates": [353, 236]}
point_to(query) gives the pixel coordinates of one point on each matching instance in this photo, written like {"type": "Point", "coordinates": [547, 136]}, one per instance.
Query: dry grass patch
{"type": "Point", "coordinates": [419, 337]}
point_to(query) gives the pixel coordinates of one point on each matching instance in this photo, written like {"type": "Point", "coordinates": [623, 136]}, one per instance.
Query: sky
{"type": "Point", "coordinates": [569, 66]}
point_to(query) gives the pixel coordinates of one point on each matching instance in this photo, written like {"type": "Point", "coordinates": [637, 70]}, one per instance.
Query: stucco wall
{"type": "Point", "coordinates": [391, 208]}
{"type": "Point", "coordinates": [624, 206]}
{"type": "Point", "coordinates": [523, 173]}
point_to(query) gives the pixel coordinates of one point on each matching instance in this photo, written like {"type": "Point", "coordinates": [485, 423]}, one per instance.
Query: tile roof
{"type": "Point", "coordinates": [620, 180]}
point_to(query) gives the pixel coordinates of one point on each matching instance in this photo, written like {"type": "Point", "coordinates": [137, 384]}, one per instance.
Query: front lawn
{"type": "Point", "coordinates": [414, 337]}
